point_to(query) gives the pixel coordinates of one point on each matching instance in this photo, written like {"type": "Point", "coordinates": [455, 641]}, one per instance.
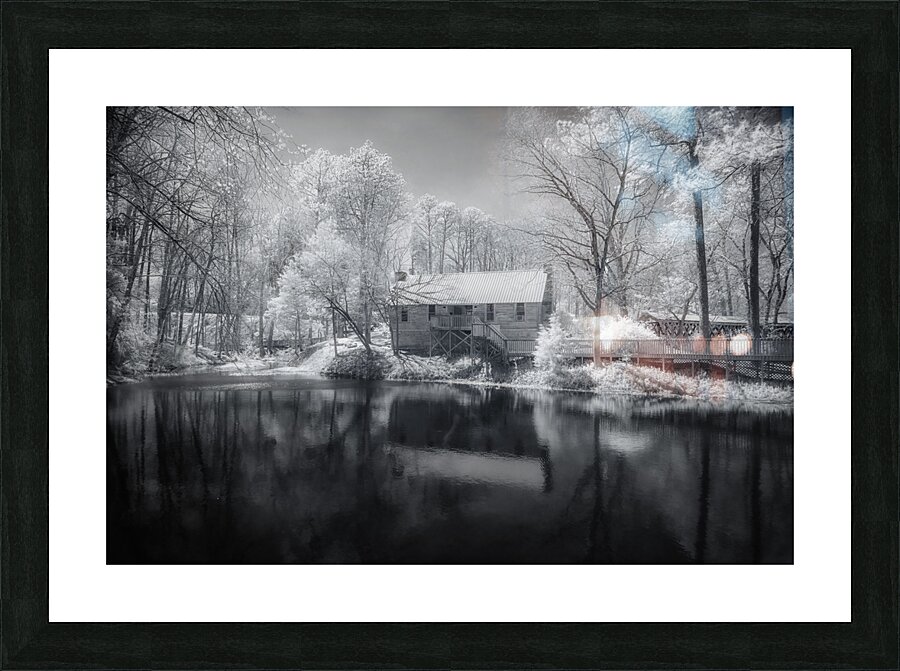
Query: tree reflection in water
{"type": "Point", "coordinates": [283, 470]}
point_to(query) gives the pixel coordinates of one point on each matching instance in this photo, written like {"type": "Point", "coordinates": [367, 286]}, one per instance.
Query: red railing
{"type": "Point", "coordinates": [719, 347]}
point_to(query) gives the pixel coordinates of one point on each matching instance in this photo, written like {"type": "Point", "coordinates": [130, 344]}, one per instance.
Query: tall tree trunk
{"type": "Point", "coordinates": [334, 330]}
{"type": "Point", "coordinates": [163, 304]}
{"type": "Point", "coordinates": [262, 316]}
{"type": "Point", "coordinates": [700, 240]}
{"type": "Point", "coordinates": [367, 327]}
{"type": "Point", "coordinates": [199, 304]}
{"type": "Point", "coordinates": [181, 298]}
{"type": "Point", "coordinates": [190, 327]}
{"type": "Point", "coordinates": [621, 291]}
{"type": "Point", "coordinates": [598, 304]}
{"type": "Point", "coordinates": [754, 251]}
{"type": "Point", "coordinates": [200, 335]}
{"type": "Point", "coordinates": [729, 302]}
{"type": "Point", "coordinates": [147, 282]}
{"type": "Point", "coordinates": [394, 327]}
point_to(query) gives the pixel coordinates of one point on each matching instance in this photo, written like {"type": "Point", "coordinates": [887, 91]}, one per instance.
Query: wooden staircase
{"type": "Point", "coordinates": [489, 342]}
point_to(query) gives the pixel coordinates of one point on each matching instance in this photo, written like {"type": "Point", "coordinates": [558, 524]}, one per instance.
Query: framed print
{"type": "Point", "coordinates": [425, 353]}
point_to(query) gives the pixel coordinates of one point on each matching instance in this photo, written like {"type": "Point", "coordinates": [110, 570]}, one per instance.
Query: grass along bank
{"type": "Point", "coordinates": [351, 361]}
{"type": "Point", "coordinates": [616, 378]}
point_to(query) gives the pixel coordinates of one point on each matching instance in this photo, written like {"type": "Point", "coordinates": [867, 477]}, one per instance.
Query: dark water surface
{"type": "Point", "coordinates": [212, 469]}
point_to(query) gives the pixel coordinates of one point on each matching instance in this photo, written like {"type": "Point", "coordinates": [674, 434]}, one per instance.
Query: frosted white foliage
{"type": "Point", "coordinates": [623, 328]}
{"type": "Point", "coordinates": [549, 344]}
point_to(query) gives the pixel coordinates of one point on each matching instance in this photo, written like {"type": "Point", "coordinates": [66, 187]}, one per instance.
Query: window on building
{"type": "Point", "coordinates": [469, 310]}
{"type": "Point", "coordinates": [404, 314]}
{"type": "Point", "coordinates": [520, 312]}
{"type": "Point", "coordinates": [431, 310]}
{"type": "Point", "coordinates": [489, 312]}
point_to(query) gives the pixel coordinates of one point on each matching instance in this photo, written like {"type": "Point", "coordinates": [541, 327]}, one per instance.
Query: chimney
{"type": "Point", "coordinates": [399, 276]}
{"type": "Point", "coordinates": [549, 300]}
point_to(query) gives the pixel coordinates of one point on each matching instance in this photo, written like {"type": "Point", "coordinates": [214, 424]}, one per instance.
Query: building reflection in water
{"type": "Point", "coordinates": [300, 471]}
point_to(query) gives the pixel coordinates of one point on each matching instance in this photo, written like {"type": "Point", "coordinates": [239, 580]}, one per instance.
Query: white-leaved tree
{"type": "Point", "coordinates": [324, 272]}
{"type": "Point", "coordinates": [548, 348]}
{"type": "Point", "coordinates": [596, 173]}
{"type": "Point", "coordinates": [368, 203]}
{"type": "Point", "coordinates": [296, 310]}
{"type": "Point", "coordinates": [424, 228]}
{"type": "Point", "coordinates": [729, 175]}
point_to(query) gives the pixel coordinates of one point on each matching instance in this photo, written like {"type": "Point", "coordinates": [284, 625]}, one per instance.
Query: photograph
{"type": "Point", "coordinates": [449, 335]}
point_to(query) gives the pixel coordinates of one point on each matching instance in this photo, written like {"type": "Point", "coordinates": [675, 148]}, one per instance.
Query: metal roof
{"type": "Point", "coordinates": [507, 286]}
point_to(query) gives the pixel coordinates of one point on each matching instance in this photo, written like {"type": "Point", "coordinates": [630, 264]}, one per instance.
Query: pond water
{"type": "Point", "coordinates": [272, 469]}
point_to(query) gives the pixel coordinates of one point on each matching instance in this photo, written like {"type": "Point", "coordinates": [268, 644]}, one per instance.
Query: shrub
{"type": "Point", "coordinates": [435, 368]}
{"type": "Point", "coordinates": [359, 364]}
{"type": "Point", "coordinates": [133, 346]}
{"type": "Point", "coordinates": [580, 377]}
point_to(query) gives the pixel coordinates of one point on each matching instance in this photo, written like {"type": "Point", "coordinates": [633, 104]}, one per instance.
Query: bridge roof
{"type": "Point", "coordinates": [692, 317]}
{"type": "Point", "coordinates": [507, 286]}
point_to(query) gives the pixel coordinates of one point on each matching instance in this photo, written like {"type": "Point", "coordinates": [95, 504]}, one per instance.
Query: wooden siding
{"type": "Point", "coordinates": [415, 334]}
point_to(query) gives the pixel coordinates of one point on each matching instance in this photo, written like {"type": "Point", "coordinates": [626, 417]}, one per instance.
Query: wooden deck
{"type": "Point", "coordinates": [770, 359]}
{"type": "Point", "coordinates": [452, 322]}
{"type": "Point", "coordinates": [457, 335]}
{"type": "Point", "coordinates": [684, 349]}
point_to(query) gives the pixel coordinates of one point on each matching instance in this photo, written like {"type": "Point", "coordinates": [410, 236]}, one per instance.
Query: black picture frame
{"type": "Point", "coordinates": [30, 29]}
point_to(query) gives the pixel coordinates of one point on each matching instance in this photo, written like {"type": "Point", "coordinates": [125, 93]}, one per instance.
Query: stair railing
{"type": "Point", "coordinates": [481, 329]}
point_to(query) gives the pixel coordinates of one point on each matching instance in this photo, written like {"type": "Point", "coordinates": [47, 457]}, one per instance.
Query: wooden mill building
{"type": "Point", "coordinates": [494, 313]}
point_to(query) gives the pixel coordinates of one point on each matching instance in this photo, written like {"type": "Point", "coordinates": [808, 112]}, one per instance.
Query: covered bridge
{"type": "Point", "coordinates": [672, 325]}
{"type": "Point", "coordinates": [495, 312]}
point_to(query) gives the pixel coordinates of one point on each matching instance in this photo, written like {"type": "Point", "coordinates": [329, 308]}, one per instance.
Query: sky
{"type": "Point", "coordinates": [449, 152]}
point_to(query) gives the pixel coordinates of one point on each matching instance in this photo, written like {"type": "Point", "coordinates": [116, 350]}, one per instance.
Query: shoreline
{"type": "Point", "coordinates": [346, 360]}
{"type": "Point", "coordinates": [598, 392]}
{"type": "Point", "coordinates": [262, 367]}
